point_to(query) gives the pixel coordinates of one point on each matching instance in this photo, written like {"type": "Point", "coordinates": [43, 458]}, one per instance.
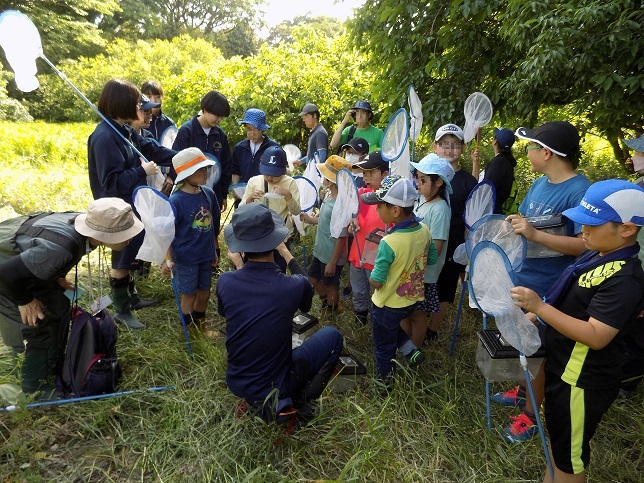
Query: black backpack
{"type": "Point", "coordinates": [90, 365]}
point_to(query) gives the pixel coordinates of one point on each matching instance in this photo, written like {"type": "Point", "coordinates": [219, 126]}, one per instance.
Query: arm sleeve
{"type": "Point", "coordinates": [155, 152]}
{"type": "Point", "coordinates": [294, 203]}
{"type": "Point", "coordinates": [384, 259]}
{"type": "Point", "coordinates": [114, 176]}
{"type": "Point", "coordinates": [307, 294]}
{"type": "Point", "coordinates": [13, 283]}
{"type": "Point", "coordinates": [432, 253]}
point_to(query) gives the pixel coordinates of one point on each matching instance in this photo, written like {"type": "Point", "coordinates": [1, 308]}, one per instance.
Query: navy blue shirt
{"type": "Point", "coordinates": [259, 302]}
{"type": "Point", "coordinates": [244, 162]}
{"type": "Point", "coordinates": [158, 125]}
{"type": "Point", "coordinates": [192, 135]}
{"type": "Point", "coordinates": [196, 225]}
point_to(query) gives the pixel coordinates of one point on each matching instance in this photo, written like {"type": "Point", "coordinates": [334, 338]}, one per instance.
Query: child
{"type": "Point", "coordinates": [397, 275]}
{"type": "Point", "coordinates": [329, 254]}
{"type": "Point", "coordinates": [159, 121]}
{"type": "Point", "coordinates": [194, 248]}
{"type": "Point", "coordinates": [374, 170]}
{"type": "Point", "coordinates": [449, 145]}
{"type": "Point", "coordinates": [356, 151]}
{"type": "Point", "coordinates": [275, 189]}
{"type": "Point", "coordinates": [434, 175]}
{"type": "Point", "coordinates": [553, 150]}
{"type": "Point", "coordinates": [585, 313]}
{"type": "Point", "coordinates": [203, 132]}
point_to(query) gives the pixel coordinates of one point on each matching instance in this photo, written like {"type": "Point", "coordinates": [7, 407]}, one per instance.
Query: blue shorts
{"type": "Point", "coordinates": [190, 278]}
{"type": "Point", "coordinates": [316, 271]}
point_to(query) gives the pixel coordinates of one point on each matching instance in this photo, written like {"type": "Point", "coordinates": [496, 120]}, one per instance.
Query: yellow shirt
{"type": "Point", "coordinates": [276, 203]}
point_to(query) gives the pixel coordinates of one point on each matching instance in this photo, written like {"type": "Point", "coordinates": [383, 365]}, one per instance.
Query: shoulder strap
{"type": "Point", "coordinates": [27, 228]}
{"type": "Point", "coordinates": [352, 132]}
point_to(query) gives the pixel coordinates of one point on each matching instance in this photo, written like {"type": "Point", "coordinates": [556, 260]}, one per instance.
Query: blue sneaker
{"type": "Point", "coordinates": [521, 429]}
{"type": "Point", "coordinates": [511, 397]}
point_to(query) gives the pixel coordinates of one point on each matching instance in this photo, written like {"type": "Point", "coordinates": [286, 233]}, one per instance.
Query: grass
{"type": "Point", "coordinates": [431, 427]}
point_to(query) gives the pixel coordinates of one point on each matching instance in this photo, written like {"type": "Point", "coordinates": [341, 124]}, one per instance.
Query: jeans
{"type": "Point", "coordinates": [322, 347]}
{"type": "Point", "coordinates": [361, 294]}
{"type": "Point", "coordinates": [388, 336]}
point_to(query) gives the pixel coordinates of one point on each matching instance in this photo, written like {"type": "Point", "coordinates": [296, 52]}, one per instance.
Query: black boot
{"type": "Point", "coordinates": [137, 302]}
{"type": "Point", "coordinates": [318, 382]}
{"type": "Point", "coordinates": [361, 317]}
{"type": "Point", "coordinates": [35, 369]}
{"type": "Point", "coordinates": [121, 302]}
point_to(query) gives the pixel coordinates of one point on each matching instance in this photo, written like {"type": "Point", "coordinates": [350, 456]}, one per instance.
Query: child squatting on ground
{"type": "Point", "coordinates": [193, 252]}
{"type": "Point", "coordinates": [398, 272]}
{"type": "Point", "coordinates": [586, 313]}
{"type": "Point", "coordinates": [329, 254]}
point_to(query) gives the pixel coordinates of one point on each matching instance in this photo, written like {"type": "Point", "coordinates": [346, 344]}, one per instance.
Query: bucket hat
{"type": "Point", "coordinates": [637, 144]}
{"type": "Point", "coordinates": [108, 220]}
{"type": "Point", "coordinates": [254, 228]}
{"type": "Point", "coordinates": [329, 169]}
{"type": "Point", "coordinates": [187, 161]}
{"type": "Point", "coordinates": [434, 164]}
{"type": "Point", "coordinates": [255, 117]}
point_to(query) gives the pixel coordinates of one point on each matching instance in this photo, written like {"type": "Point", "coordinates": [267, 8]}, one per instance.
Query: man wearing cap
{"type": "Point", "coordinates": [500, 170]}
{"type": "Point", "coordinates": [36, 254]}
{"type": "Point", "coordinates": [247, 153]}
{"type": "Point", "coordinates": [262, 367]}
{"type": "Point", "coordinates": [587, 314]}
{"type": "Point", "coordinates": [318, 144]}
{"type": "Point", "coordinates": [362, 113]}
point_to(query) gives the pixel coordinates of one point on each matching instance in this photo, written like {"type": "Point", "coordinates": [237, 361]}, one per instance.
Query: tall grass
{"type": "Point", "coordinates": [431, 427]}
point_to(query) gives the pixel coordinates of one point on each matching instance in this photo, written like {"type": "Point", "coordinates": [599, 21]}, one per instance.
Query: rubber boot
{"type": "Point", "coordinates": [35, 369]}
{"type": "Point", "coordinates": [137, 302]}
{"type": "Point", "coordinates": [361, 317]}
{"type": "Point", "coordinates": [121, 302]}
{"type": "Point", "coordinates": [200, 324]}
{"type": "Point", "coordinates": [318, 382]}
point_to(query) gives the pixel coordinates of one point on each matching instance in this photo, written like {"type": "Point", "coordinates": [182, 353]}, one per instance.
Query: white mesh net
{"type": "Point", "coordinates": [478, 113]}
{"type": "Point", "coordinates": [490, 284]}
{"type": "Point", "coordinates": [308, 199]}
{"type": "Point", "coordinates": [496, 229]}
{"type": "Point", "coordinates": [293, 153]}
{"type": "Point", "coordinates": [313, 175]}
{"type": "Point", "coordinates": [214, 171]}
{"type": "Point", "coordinates": [479, 203]}
{"type": "Point", "coordinates": [415, 114]}
{"type": "Point", "coordinates": [346, 206]}
{"type": "Point", "coordinates": [157, 215]}
{"type": "Point", "coordinates": [168, 136]}
{"type": "Point", "coordinates": [395, 145]}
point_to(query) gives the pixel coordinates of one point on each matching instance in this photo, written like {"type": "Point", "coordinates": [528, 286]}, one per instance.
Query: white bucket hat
{"type": "Point", "coordinates": [108, 220]}
{"type": "Point", "coordinates": [187, 161]}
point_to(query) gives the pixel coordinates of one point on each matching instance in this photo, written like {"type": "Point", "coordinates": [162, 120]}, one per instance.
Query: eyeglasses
{"type": "Point", "coordinates": [530, 147]}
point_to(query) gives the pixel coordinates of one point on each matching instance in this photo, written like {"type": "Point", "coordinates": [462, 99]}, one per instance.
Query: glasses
{"type": "Point", "coordinates": [530, 147]}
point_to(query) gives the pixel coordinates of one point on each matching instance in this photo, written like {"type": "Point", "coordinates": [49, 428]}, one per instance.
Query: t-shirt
{"type": "Point", "coordinates": [372, 134]}
{"type": "Point", "coordinates": [546, 198]}
{"type": "Point", "coordinates": [500, 171]}
{"type": "Point", "coordinates": [599, 293]}
{"type": "Point", "coordinates": [400, 267]}
{"type": "Point", "coordinates": [324, 242]}
{"type": "Point", "coordinates": [462, 184]}
{"type": "Point", "coordinates": [437, 217]}
{"type": "Point", "coordinates": [368, 221]}
{"type": "Point", "coordinates": [195, 222]}
{"type": "Point", "coordinates": [318, 143]}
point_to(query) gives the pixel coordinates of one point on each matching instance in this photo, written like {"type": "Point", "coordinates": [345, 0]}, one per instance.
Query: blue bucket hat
{"type": "Point", "coordinates": [273, 162]}
{"type": "Point", "coordinates": [434, 164]}
{"type": "Point", "coordinates": [636, 144]}
{"type": "Point", "coordinates": [610, 200]}
{"type": "Point", "coordinates": [255, 117]}
{"type": "Point", "coordinates": [364, 105]}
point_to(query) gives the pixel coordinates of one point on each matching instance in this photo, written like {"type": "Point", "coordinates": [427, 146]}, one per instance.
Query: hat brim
{"type": "Point", "coordinates": [149, 105]}
{"type": "Point", "coordinates": [261, 127]}
{"type": "Point", "coordinates": [326, 172]}
{"type": "Point", "coordinates": [193, 169]}
{"type": "Point", "coordinates": [108, 237]}
{"type": "Point", "coordinates": [370, 198]}
{"type": "Point", "coordinates": [580, 215]}
{"type": "Point", "coordinates": [265, 244]}
{"type": "Point", "coordinates": [271, 170]}
{"type": "Point", "coordinates": [529, 135]}
{"type": "Point", "coordinates": [304, 113]}
{"type": "Point", "coordinates": [637, 144]}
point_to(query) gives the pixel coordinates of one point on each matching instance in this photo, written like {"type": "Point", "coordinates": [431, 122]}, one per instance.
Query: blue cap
{"type": "Point", "coordinates": [610, 200]}
{"type": "Point", "coordinates": [255, 117]}
{"type": "Point", "coordinates": [434, 164]}
{"type": "Point", "coordinates": [273, 162]}
{"type": "Point", "coordinates": [504, 137]}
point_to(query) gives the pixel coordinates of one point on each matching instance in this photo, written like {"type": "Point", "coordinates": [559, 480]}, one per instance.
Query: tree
{"type": "Point", "coordinates": [585, 55]}
{"type": "Point", "coordinates": [324, 27]}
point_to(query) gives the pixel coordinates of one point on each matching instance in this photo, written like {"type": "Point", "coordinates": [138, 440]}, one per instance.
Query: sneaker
{"type": "Point", "coordinates": [511, 397]}
{"type": "Point", "coordinates": [521, 429]}
{"type": "Point", "coordinates": [415, 358]}
{"type": "Point", "coordinates": [431, 335]}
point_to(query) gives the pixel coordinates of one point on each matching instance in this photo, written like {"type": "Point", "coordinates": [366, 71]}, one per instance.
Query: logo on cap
{"type": "Point", "coordinates": [272, 160]}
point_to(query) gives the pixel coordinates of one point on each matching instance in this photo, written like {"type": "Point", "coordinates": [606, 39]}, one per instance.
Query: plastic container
{"type": "Point", "coordinates": [350, 372]}
{"type": "Point", "coordinates": [304, 325]}
{"type": "Point", "coordinates": [372, 240]}
{"type": "Point", "coordinates": [553, 224]}
{"type": "Point", "coordinates": [499, 361]}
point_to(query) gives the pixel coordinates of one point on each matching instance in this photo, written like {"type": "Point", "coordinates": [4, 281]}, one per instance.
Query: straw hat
{"type": "Point", "coordinates": [108, 220]}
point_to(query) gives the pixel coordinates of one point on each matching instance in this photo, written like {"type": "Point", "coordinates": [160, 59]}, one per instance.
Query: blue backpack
{"type": "Point", "coordinates": [90, 365]}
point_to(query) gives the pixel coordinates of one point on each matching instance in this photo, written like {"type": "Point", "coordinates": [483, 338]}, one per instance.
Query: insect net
{"type": "Point", "coordinates": [478, 113]}
{"type": "Point", "coordinates": [346, 205]}
{"type": "Point", "coordinates": [395, 145]}
{"type": "Point", "coordinates": [157, 215]}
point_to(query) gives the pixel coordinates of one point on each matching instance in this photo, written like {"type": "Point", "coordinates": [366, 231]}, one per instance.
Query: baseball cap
{"type": "Point", "coordinates": [373, 161]}
{"type": "Point", "coordinates": [394, 190]}
{"type": "Point", "coordinates": [434, 164]}
{"type": "Point", "coordinates": [560, 137]}
{"type": "Point", "coordinates": [147, 104]}
{"type": "Point", "coordinates": [452, 129]}
{"type": "Point", "coordinates": [636, 144]}
{"type": "Point", "coordinates": [273, 162]}
{"type": "Point", "coordinates": [504, 136]}
{"type": "Point", "coordinates": [308, 108]}
{"type": "Point", "coordinates": [359, 145]}
{"type": "Point", "coordinates": [610, 200]}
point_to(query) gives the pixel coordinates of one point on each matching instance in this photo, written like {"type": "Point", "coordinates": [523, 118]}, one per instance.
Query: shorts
{"type": "Point", "coordinates": [126, 259]}
{"type": "Point", "coordinates": [431, 303]}
{"type": "Point", "coordinates": [448, 281]}
{"type": "Point", "coordinates": [190, 278]}
{"type": "Point", "coordinates": [316, 271]}
{"type": "Point", "coordinates": [572, 416]}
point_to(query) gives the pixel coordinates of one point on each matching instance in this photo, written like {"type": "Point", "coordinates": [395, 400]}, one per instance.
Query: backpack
{"type": "Point", "coordinates": [90, 364]}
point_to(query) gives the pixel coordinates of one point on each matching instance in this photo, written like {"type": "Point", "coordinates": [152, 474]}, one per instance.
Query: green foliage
{"type": "Point", "coordinates": [11, 109]}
